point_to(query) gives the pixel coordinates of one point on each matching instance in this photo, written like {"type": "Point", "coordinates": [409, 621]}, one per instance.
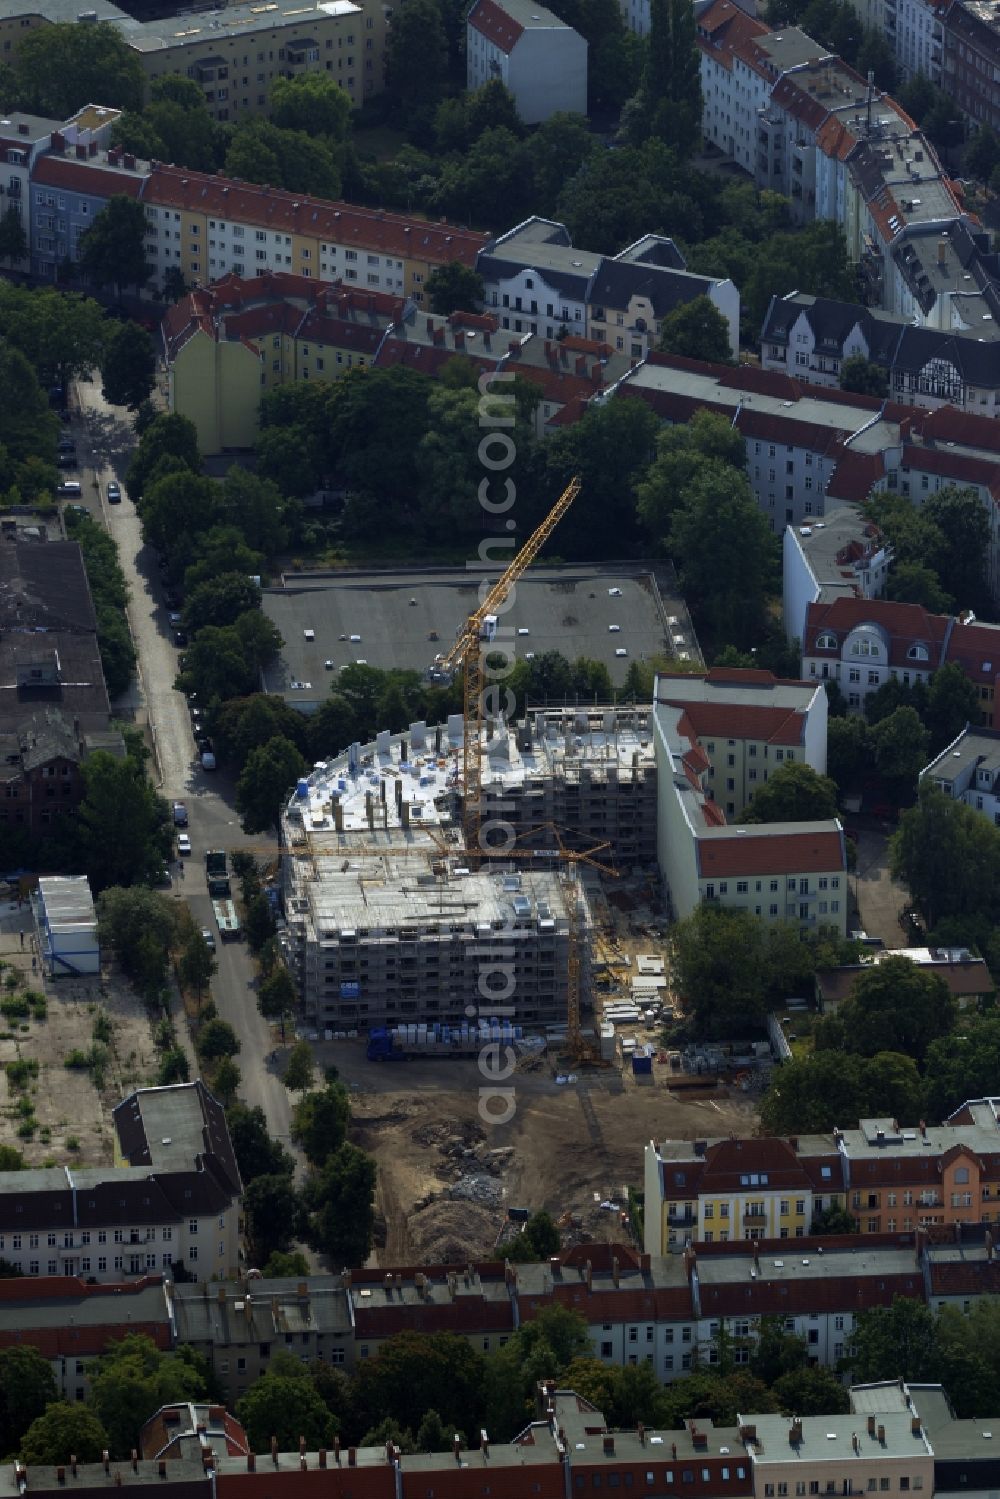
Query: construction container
{"type": "Point", "coordinates": [642, 1063]}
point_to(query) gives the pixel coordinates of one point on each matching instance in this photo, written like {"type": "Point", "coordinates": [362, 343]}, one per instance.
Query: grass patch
{"type": "Point", "coordinates": [380, 141]}
{"type": "Point", "coordinates": [22, 1073]}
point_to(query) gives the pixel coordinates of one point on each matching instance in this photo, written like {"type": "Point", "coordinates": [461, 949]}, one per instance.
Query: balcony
{"type": "Point", "coordinates": [680, 1218]}
{"type": "Point", "coordinates": [755, 1213]}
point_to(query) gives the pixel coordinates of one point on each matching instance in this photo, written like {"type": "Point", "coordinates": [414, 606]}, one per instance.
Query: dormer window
{"type": "Point", "coordinates": [918, 653]}
{"type": "Point", "coordinates": [864, 648]}
{"type": "Point", "coordinates": [826, 643]}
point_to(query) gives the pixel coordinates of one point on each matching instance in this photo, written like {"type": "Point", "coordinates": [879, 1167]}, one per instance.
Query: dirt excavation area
{"type": "Point", "coordinates": [447, 1175]}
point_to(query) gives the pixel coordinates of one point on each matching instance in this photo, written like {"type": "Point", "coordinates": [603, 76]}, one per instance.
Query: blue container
{"type": "Point", "coordinates": [302, 790]}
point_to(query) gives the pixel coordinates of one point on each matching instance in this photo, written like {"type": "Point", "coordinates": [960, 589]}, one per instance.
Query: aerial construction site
{"type": "Point", "coordinates": [415, 929]}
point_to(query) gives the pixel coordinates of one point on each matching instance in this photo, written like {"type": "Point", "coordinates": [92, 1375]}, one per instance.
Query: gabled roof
{"type": "Point", "coordinates": [770, 849]}
{"type": "Point", "coordinates": [492, 21]}
{"type": "Point", "coordinates": [341, 223]}
{"type": "Point", "coordinates": [902, 626]}
{"type": "Point", "coordinates": [85, 178]}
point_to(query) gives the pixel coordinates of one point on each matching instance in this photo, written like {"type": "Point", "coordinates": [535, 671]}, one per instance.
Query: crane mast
{"type": "Point", "coordinates": [467, 652]}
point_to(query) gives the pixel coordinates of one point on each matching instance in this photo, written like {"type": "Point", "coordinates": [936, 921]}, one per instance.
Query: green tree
{"type": "Point", "coordinates": [952, 705]}
{"type": "Point", "coordinates": [169, 435]}
{"type": "Point", "coordinates": [220, 601]}
{"type": "Point", "coordinates": [132, 1379]}
{"type": "Point", "coordinates": [314, 104]}
{"type": "Point", "coordinates": [61, 67]}
{"type": "Point", "coordinates": [671, 86]}
{"type": "Point", "coordinates": [896, 1006]}
{"type": "Point", "coordinates": [415, 1373]}
{"type": "Point", "coordinates": [277, 997]}
{"type": "Point", "coordinates": [217, 1039]}
{"type": "Point", "coordinates": [726, 554]}
{"type": "Point", "coordinates": [128, 367]}
{"type": "Point", "coordinates": [225, 1080]}
{"type": "Point", "coordinates": [301, 1068]}
{"type": "Point", "coordinates": [256, 1153]}
{"type": "Point", "coordinates": [281, 1266]}
{"type": "Point", "coordinates": [64, 1430]}
{"type": "Point", "coordinates": [13, 240]}
{"type": "Point", "coordinates": [319, 1122]}
{"type": "Point", "coordinates": [682, 453]}
{"type": "Point", "coordinates": [256, 509]}
{"type": "Point", "coordinates": [274, 1211]}
{"type": "Point", "coordinates": [812, 1392]}
{"type": "Point", "coordinates": [196, 965]}
{"type": "Point", "coordinates": [918, 583]}
{"type": "Point", "coordinates": [454, 287]}
{"type": "Point", "coordinates": [697, 330]}
{"type": "Point", "coordinates": [27, 1386]}
{"type": "Point", "coordinates": [982, 154]}
{"type": "Point", "coordinates": [718, 969]}
{"type": "Point", "coordinates": [539, 1241]}
{"type": "Point", "coordinates": [560, 147]}
{"type": "Point", "coordinates": [814, 1093]}
{"type": "Point", "coordinates": [174, 1068]}
{"type": "Point", "coordinates": [174, 285]}
{"type": "Point", "coordinates": [246, 723]}
{"type": "Point", "coordinates": [122, 822]}
{"type": "Point", "coordinates": [834, 1220]}
{"type": "Point", "coordinates": [340, 1198]}
{"type": "Point", "coordinates": [848, 753]}
{"type": "Point", "coordinates": [813, 257]}
{"type": "Point", "coordinates": [140, 925]}
{"type": "Point", "coordinates": [261, 152]}
{"type": "Point", "coordinates": [963, 524]}
{"type": "Point", "coordinates": [962, 1065]}
{"type": "Point", "coordinates": [285, 1405]}
{"type": "Point", "coordinates": [268, 777]}
{"type": "Point", "coordinates": [113, 250]}
{"type": "Point", "coordinates": [431, 1434]}
{"type": "Point", "coordinates": [864, 377]}
{"type": "Point", "coordinates": [794, 793]}
{"type": "Point", "coordinates": [27, 426]}
{"type": "Point", "coordinates": [416, 63]}
{"type": "Point", "coordinates": [610, 448]}
{"type": "Point", "coordinates": [901, 751]}
{"type": "Point", "coordinates": [893, 1342]}
{"type": "Point", "coordinates": [948, 856]}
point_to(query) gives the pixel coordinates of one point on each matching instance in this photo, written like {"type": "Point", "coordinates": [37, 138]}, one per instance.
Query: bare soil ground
{"type": "Point", "coordinates": [65, 1103]}
{"type": "Point", "coordinates": [566, 1148]}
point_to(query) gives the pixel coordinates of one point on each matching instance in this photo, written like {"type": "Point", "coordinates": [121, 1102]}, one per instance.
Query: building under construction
{"type": "Point", "coordinates": [387, 919]}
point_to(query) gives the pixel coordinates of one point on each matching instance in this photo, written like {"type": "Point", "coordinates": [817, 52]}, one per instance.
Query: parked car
{"type": "Point", "coordinates": [170, 598]}
{"type": "Point", "coordinates": [180, 638]}
{"type": "Point", "coordinates": [909, 920]}
{"type": "Point", "coordinates": [208, 937]}
{"type": "Point", "coordinates": [114, 493]}
{"type": "Point", "coordinates": [207, 760]}
{"type": "Point", "coordinates": [183, 845]}
{"type": "Point", "coordinates": [66, 460]}
{"type": "Point", "coordinates": [77, 510]}
{"type": "Point", "coordinates": [66, 444]}
{"type": "Point", "coordinates": [180, 815]}
{"type": "Point", "coordinates": [71, 487]}
{"type": "Point", "coordinates": [173, 618]}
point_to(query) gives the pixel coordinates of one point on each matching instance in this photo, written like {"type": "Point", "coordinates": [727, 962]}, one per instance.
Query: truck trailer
{"type": "Point", "coordinates": [405, 1043]}
{"type": "Point", "coordinates": [226, 918]}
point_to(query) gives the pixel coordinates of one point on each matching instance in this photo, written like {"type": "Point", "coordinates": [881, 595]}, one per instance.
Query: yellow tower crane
{"type": "Point", "coordinates": [467, 652]}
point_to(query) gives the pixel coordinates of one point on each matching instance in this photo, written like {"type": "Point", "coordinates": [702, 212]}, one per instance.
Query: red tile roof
{"type": "Point", "coordinates": [340, 223]}
{"type": "Point", "coordinates": [904, 624]}
{"type": "Point", "coordinates": [853, 1293]}
{"type": "Point", "coordinates": [724, 27]}
{"type": "Point", "coordinates": [493, 22]}
{"type": "Point", "coordinates": [964, 1277]}
{"type": "Point", "coordinates": [959, 468]}
{"type": "Point", "coordinates": [732, 854]}
{"type": "Point", "coordinates": [855, 476]}
{"type": "Point", "coordinates": [85, 178]}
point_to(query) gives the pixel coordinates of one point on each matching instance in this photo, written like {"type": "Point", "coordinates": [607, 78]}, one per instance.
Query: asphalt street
{"type": "Point", "coordinates": [104, 442]}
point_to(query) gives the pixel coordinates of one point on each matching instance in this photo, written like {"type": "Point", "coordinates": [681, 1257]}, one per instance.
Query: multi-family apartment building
{"type": "Point", "coordinates": [208, 226]}
{"type": "Point", "coordinates": [956, 365]}
{"type": "Point", "coordinates": [717, 740]}
{"type": "Point", "coordinates": [863, 643]}
{"type": "Point", "coordinates": [172, 1197]}
{"type": "Point", "coordinates": [537, 281]}
{"type": "Point", "coordinates": [808, 447]}
{"type": "Point", "coordinates": [534, 54]}
{"type": "Point", "coordinates": [235, 53]}
{"type": "Point", "coordinates": [71, 1321]}
{"type": "Point", "coordinates": [968, 771]}
{"type": "Point", "coordinates": [23, 138]}
{"type": "Point", "coordinates": [972, 59]}
{"type": "Point", "coordinates": [806, 125]}
{"type": "Point", "coordinates": [890, 1178]}
{"type": "Point", "coordinates": [842, 556]}
{"type": "Point", "coordinates": [225, 344]}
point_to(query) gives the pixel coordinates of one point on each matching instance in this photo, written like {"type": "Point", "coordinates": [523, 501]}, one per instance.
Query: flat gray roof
{"type": "Point", "coordinates": [976, 748]}
{"type": "Point", "coordinates": [566, 609]}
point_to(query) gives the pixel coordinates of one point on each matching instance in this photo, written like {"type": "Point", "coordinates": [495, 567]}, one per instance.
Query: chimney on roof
{"type": "Point", "coordinates": [302, 1444]}
{"type": "Point", "coordinates": [923, 1129]}
{"type": "Point", "coordinates": [484, 1443]}
{"type": "Point", "coordinates": [456, 1447]}
{"type": "Point", "coordinates": [106, 1460]}
{"type": "Point", "coordinates": [274, 1451]}
{"type": "Point", "coordinates": [795, 1433]}
{"type": "Point", "coordinates": [881, 1436]}
{"type": "Point", "coordinates": [609, 1445]}
{"type": "Point", "coordinates": [161, 1467]}
{"type": "Point", "coordinates": [641, 1433]}
{"type": "Point", "coordinates": [322, 1457]}
{"type": "Point", "coordinates": [871, 1426]}
{"type": "Point", "coordinates": [72, 1463]}
{"type": "Point", "coordinates": [589, 1272]}
{"type": "Point", "coordinates": [673, 1450]}
{"type": "Point", "coordinates": [615, 1271]}
{"type": "Point", "coordinates": [914, 1426]}
{"type": "Point", "coordinates": [336, 1451]}
{"type": "Point", "coordinates": [352, 1457]}
{"type": "Point", "coordinates": [60, 1475]}
{"type": "Point", "coordinates": [942, 251]}
{"type": "Point", "coordinates": [251, 1462]}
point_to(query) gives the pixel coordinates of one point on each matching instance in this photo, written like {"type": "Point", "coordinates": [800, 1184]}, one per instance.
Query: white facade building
{"type": "Point", "coordinates": [841, 556]}
{"type": "Point", "coordinates": [969, 771]}
{"type": "Point", "coordinates": [67, 926]}
{"type": "Point", "coordinates": [541, 60]}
